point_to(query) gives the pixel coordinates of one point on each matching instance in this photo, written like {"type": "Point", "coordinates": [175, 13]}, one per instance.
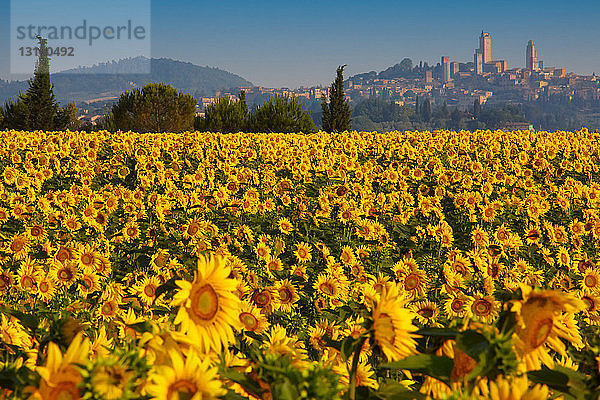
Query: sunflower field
{"type": "Point", "coordinates": [355, 265]}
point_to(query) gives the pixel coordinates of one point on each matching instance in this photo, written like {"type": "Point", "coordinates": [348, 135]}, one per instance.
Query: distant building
{"type": "Point", "coordinates": [478, 61]}
{"type": "Point", "coordinates": [453, 69]}
{"type": "Point", "coordinates": [517, 126]}
{"type": "Point", "coordinates": [495, 67]}
{"type": "Point", "coordinates": [445, 69]}
{"type": "Point", "coordinates": [559, 72]}
{"type": "Point", "coordinates": [541, 65]}
{"type": "Point", "coordinates": [531, 61]}
{"type": "Point", "coordinates": [485, 46]}
{"type": "Point", "coordinates": [428, 76]}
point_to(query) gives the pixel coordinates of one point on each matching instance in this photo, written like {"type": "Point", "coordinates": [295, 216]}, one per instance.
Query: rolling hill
{"type": "Point", "coordinates": [109, 80]}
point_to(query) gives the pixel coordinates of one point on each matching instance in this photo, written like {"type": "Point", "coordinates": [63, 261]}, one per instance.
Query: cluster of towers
{"type": "Point", "coordinates": [482, 59]}
{"type": "Point", "coordinates": [483, 62]}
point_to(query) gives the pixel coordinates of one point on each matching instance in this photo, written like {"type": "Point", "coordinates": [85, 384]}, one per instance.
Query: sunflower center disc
{"type": "Point", "coordinates": [205, 302]}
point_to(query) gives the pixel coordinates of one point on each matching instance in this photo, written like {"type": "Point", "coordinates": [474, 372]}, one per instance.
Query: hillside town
{"type": "Point", "coordinates": [457, 83]}
{"type": "Point", "coordinates": [453, 83]}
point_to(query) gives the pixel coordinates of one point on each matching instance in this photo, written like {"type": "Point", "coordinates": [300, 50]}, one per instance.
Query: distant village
{"type": "Point", "coordinates": [458, 84]}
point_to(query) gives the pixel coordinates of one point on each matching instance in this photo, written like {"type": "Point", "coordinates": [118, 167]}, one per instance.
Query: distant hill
{"type": "Point", "coordinates": [110, 79]}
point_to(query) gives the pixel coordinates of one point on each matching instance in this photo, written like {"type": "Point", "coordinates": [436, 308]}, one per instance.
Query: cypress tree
{"type": "Point", "coordinates": [336, 114]}
{"type": "Point", "coordinates": [426, 110]}
{"type": "Point", "coordinates": [417, 111]}
{"type": "Point", "coordinates": [476, 108]}
{"type": "Point", "coordinates": [39, 98]}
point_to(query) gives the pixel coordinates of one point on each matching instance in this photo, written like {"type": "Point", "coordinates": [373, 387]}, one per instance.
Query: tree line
{"type": "Point", "coordinates": [381, 115]}
{"type": "Point", "coordinates": [158, 107]}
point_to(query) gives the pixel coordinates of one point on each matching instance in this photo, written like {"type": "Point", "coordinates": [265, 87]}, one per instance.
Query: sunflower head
{"type": "Point", "coordinates": [209, 305]}
{"type": "Point", "coordinates": [541, 321]}
{"type": "Point", "coordinates": [393, 329]}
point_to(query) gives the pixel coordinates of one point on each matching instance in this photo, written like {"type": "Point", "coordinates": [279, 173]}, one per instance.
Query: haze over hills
{"type": "Point", "coordinates": [110, 79]}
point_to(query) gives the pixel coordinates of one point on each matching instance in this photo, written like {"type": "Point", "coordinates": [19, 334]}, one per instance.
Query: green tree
{"type": "Point", "coordinates": [225, 115]}
{"type": "Point", "coordinates": [281, 114]}
{"type": "Point", "coordinates": [15, 115]}
{"type": "Point", "coordinates": [444, 111]}
{"type": "Point", "coordinates": [336, 113]}
{"type": "Point", "coordinates": [39, 98]}
{"type": "Point", "coordinates": [36, 109]}
{"type": "Point", "coordinates": [476, 108]}
{"type": "Point", "coordinates": [426, 110]}
{"type": "Point", "coordinates": [456, 118]}
{"type": "Point", "coordinates": [66, 118]}
{"type": "Point", "coordinates": [157, 107]}
{"type": "Point", "coordinates": [417, 111]}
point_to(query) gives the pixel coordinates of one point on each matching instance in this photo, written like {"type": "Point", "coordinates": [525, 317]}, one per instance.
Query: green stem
{"type": "Point", "coordinates": [352, 391]}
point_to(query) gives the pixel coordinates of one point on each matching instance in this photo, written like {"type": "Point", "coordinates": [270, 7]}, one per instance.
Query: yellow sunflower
{"type": "Point", "coordinates": [131, 231]}
{"type": "Point", "coordinates": [89, 283]}
{"type": "Point", "coordinates": [414, 283]}
{"type": "Point", "coordinates": [364, 374]}
{"type": "Point", "coordinates": [327, 285]}
{"type": "Point", "coordinates": [46, 288]}
{"type": "Point", "coordinates": [456, 306]}
{"type": "Point", "coordinates": [12, 333]}
{"type": "Point", "coordinates": [303, 252]}
{"type": "Point", "coordinates": [87, 257]}
{"type": "Point", "coordinates": [36, 233]}
{"type": "Point", "coordinates": [285, 226]}
{"type": "Point", "coordinates": [208, 306]}
{"type": "Point", "coordinates": [60, 376]}
{"type": "Point", "coordinates": [281, 343]}
{"type": "Point", "coordinates": [426, 312]}
{"type": "Point", "coordinates": [511, 388]}
{"type": "Point", "coordinates": [590, 282]}
{"type": "Point", "coordinates": [145, 289]}
{"type": "Point", "coordinates": [252, 319]}
{"type": "Point", "coordinates": [101, 347]}
{"type": "Point", "coordinates": [19, 247]}
{"type": "Point", "coordinates": [28, 275]}
{"type": "Point", "coordinates": [191, 378]}
{"type": "Point", "coordinates": [392, 325]}
{"type": "Point", "coordinates": [286, 295]}
{"type": "Point", "coordinates": [65, 274]}
{"type": "Point", "coordinates": [540, 323]}
{"type": "Point", "coordinates": [484, 308]}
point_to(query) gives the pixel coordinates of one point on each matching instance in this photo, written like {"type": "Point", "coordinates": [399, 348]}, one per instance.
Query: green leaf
{"type": "Point", "coordinates": [236, 376]}
{"type": "Point", "coordinates": [165, 287]}
{"type": "Point", "coordinates": [348, 347]}
{"type": "Point", "coordinates": [161, 309]}
{"type": "Point", "coordinates": [562, 379]}
{"type": "Point", "coordinates": [438, 332]}
{"type": "Point", "coordinates": [231, 395]}
{"type": "Point", "coordinates": [141, 327]}
{"type": "Point", "coordinates": [439, 367]}
{"type": "Point", "coordinates": [30, 321]}
{"type": "Point", "coordinates": [8, 378]}
{"type": "Point", "coordinates": [472, 343]}
{"type": "Point", "coordinates": [285, 391]}
{"type": "Point", "coordinates": [254, 336]}
{"type": "Point", "coordinates": [395, 391]}
{"type": "Point", "coordinates": [554, 379]}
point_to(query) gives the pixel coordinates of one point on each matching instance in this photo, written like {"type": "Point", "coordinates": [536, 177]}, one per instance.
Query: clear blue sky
{"type": "Point", "coordinates": [276, 44]}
